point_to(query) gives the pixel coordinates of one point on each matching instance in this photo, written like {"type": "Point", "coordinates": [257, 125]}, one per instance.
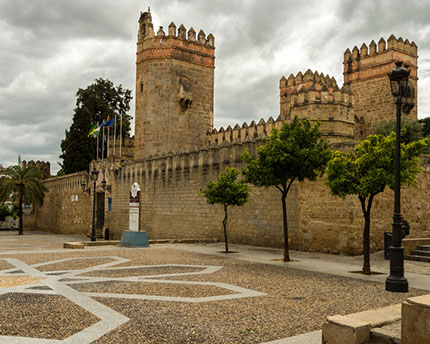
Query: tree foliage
{"type": "Point", "coordinates": [412, 130]}
{"type": "Point", "coordinates": [93, 105]}
{"type": "Point", "coordinates": [368, 170]}
{"type": "Point", "coordinates": [296, 152]}
{"type": "Point", "coordinates": [228, 191]}
{"type": "Point", "coordinates": [426, 126]}
{"type": "Point", "coordinates": [22, 184]}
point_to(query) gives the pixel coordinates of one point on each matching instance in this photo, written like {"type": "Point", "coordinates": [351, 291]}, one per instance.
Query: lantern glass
{"type": "Point", "coordinates": [395, 87]}
{"type": "Point", "coordinates": [404, 87]}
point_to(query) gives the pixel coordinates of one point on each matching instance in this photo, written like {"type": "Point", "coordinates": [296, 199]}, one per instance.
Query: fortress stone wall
{"type": "Point", "coordinates": [176, 152]}
{"type": "Point", "coordinates": [172, 207]}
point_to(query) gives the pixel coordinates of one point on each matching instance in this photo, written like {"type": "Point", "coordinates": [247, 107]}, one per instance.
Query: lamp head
{"type": "Point", "coordinates": [399, 80]}
{"type": "Point", "coordinates": [94, 174]}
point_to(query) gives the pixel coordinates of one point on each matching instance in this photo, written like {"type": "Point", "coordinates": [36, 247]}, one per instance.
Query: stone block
{"type": "Point", "coordinates": [379, 317]}
{"type": "Point", "coordinates": [74, 245]}
{"type": "Point", "coordinates": [416, 320]}
{"type": "Point", "coordinates": [345, 330]}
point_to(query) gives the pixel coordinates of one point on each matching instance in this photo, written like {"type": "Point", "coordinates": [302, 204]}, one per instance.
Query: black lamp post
{"type": "Point", "coordinates": [94, 175]}
{"type": "Point", "coordinates": [396, 281]}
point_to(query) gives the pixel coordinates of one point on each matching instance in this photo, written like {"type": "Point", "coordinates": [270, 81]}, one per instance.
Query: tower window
{"type": "Point", "coordinates": [141, 87]}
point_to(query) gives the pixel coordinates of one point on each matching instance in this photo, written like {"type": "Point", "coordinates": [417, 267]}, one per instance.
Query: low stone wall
{"type": "Point", "coordinates": [66, 208]}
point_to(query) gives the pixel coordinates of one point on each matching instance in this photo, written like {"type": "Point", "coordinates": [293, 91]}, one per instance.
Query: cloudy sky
{"type": "Point", "coordinates": [50, 48]}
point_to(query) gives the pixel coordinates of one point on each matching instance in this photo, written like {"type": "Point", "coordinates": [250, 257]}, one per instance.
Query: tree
{"type": "Point", "coordinates": [412, 130]}
{"type": "Point", "coordinates": [93, 104]}
{"type": "Point", "coordinates": [368, 170]}
{"type": "Point", "coordinates": [228, 192]}
{"type": "Point", "coordinates": [296, 152]}
{"type": "Point", "coordinates": [426, 126]}
{"type": "Point", "coordinates": [22, 184]}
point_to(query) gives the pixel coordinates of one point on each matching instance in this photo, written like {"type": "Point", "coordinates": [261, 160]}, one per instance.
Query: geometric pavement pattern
{"type": "Point", "coordinates": [57, 283]}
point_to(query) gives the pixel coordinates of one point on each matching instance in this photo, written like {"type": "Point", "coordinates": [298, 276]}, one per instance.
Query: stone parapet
{"type": "Point", "coordinates": [243, 133]}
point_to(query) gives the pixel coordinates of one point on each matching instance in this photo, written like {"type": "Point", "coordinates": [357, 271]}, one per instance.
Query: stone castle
{"type": "Point", "coordinates": [176, 151]}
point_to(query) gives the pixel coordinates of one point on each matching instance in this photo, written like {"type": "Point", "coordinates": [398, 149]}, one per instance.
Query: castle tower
{"type": "Point", "coordinates": [317, 97]}
{"type": "Point", "coordinates": [174, 88]}
{"type": "Point", "coordinates": [365, 71]}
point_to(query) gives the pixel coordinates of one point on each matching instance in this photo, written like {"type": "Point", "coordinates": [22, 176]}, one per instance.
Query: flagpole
{"type": "Point", "coordinates": [97, 149]}
{"type": "Point", "coordinates": [120, 137]}
{"type": "Point", "coordinates": [107, 154]}
{"type": "Point", "coordinates": [114, 135]}
{"type": "Point", "coordinates": [103, 144]}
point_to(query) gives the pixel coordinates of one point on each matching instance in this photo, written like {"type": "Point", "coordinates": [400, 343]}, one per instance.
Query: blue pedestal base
{"type": "Point", "coordinates": [134, 239]}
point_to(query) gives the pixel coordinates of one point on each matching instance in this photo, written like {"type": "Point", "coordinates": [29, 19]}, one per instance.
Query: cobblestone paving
{"type": "Point", "coordinates": [25, 300]}
{"type": "Point", "coordinates": [165, 295]}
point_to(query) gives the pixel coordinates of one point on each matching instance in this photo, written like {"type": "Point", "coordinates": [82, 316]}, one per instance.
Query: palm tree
{"type": "Point", "coordinates": [22, 184]}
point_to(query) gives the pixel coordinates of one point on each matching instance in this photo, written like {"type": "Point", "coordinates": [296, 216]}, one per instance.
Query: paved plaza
{"type": "Point", "coordinates": [182, 293]}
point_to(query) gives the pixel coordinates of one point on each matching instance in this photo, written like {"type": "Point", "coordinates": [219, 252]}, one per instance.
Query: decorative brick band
{"type": "Point", "coordinates": [373, 71]}
{"type": "Point", "coordinates": [177, 53]}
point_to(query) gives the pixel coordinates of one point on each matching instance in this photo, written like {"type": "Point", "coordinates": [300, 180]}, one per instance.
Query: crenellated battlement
{"type": "Point", "coordinates": [43, 166]}
{"type": "Point", "coordinates": [365, 71]}
{"type": "Point", "coordinates": [178, 43]}
{"type": "Point", "coordinates": [305, 80]}
{"type": "Point", "coordinates": [311, 87]}
{"type": "Point", "coordinates": [377, 60]}
{"type": "Point", "coordinates": [382, 46]}
{"type": "Point", "coordinates": [245, 133]}
{"type": "Point", "coordinates": [317, 97]}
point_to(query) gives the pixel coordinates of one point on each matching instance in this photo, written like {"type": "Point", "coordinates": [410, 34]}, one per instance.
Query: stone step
{"type": "Point", "coordinates": [423, 247]}
{"type": "Point", "coordinates": [386, 334]}
{"type": "Point", "coordinates": [420, 253]}
{"type": "Point", "coordinates": [99, 235]}
{"type": "Point", "coordinates": [417, 258]}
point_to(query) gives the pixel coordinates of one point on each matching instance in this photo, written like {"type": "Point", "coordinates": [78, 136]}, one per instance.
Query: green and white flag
{"type": "Point", "coordinates": [94, 131]}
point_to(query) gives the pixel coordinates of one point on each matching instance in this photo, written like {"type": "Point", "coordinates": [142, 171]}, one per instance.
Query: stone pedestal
{"type": "Point", "coordinates": [134, 239]}
{"type": "Point", "coordinates": [416, 320]}
{"type": "Point", "coordinates": [344, 330]}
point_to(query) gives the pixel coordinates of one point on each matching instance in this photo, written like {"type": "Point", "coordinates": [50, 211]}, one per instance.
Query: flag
{"type": "Point", "coordinates": [90, 133]}
{"type": "Point", "coordinates": [94, 131]}
{"type": "Point", "coordinates": [108, 122]}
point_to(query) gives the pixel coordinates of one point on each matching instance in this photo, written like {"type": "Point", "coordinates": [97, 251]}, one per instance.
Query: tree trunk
{"type": "Point", "coordinates": [366, 232]}
{"type": "Point", "coordinates": [224, 222]}
{"type": "Point", "coordinates": [21, 227]}
{"type": "Point", "coordinates": [284, 217]}
{"type": "Point", "coordinates": [366, 245]}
